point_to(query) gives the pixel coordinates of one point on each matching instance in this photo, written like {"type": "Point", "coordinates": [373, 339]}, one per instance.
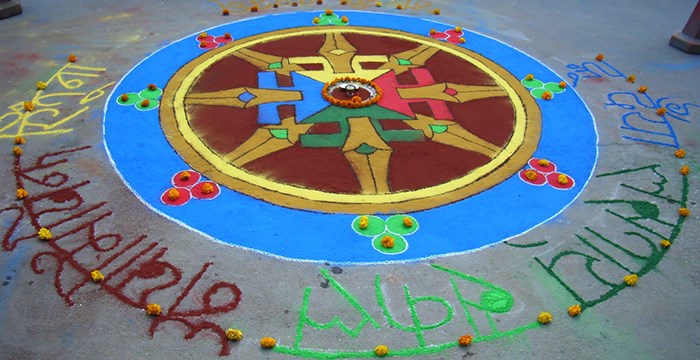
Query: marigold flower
{"type": "Point", "coordinates": [344, 19]}
{"type": "Point", "coordinates": [40, 85]}
{"type": "Point", "coordinates": [562, 179]}
{"type": "Point", "coordinates": [319, 2]}
{"type": "Point", "coordinates": [207, 188]}
{"type": "Point", "coordinates": [543, 162]}
{"type": "Point", "coordinates": [685, 170]}
{"type": "Point", "coordinates": [294, 4]}
{"type": "Point", "coordinates": [458, 29]}
{"type": "Point", "coordinates": [124, 98]}
{"type": "Point", "coordinates": [387, 242]}
{"type": "Point", "coordinates": [546, 95]}
{"type": "Point", "coordinates": [316, 20]}
{"type": "Point", "coordinates": [381, 350]}
{"type": "Point", "coordinates": [680, 153]}
{"type": "Point", "coordinates": [21, 194]}
{"type": "Point", "coordinates": [234, 334]}
{"type": "Point", "coordinates": [407, 222]}
{"type": "Point", "coordinates": [29, 106]}
{"type": "Point", "coordinates": [562, 84]}
{"type": "Point", "coordinates": [544, 318]}
{"type": "Point", "coordinates": [96, 276]}
{"type": "Point", "coordinates": [225, 12]}
{"type": "Point", "coordinates": [364, 222]}
{"type": "Point", "coordinates": [378, 4]}
{"type": "Point", "coordinates": [145, 103]}
{"type": "Point", "coordinates": [153, 309]}
{"type": "Point", "coordinates": [152, 87]}
{"type": "Point", "coordinates": [227, 36]}
{"type": "Point", "coordinates": [202, 35]}
{"type": "Point", "coordinates": [531, 175]}
{"type": "Point", "coordinates": [399, 7]}
{"type": "Point", "coordinates": [329, 12]}
{"type": "Point", "coordinates": [19, 140]}
{"type": "Point", "coordinates": [275, 5]}
{"type": "Point", "coordinates": [72, 58]}
{"type": "Point", "coordinates": [529, 77]}
{"type": "Point", "coordinates": [642, 89]}
{"type": "Point", "coordinates": [173, 194]}
{"type": "Point", "coordinates": [343, 2]}
{"type": "Point", "coordinates": [253, 9]}
{"type": "Point", "coordinates": [600, 57]}
{"type": "Point", "coordinates": [574, 310]}
{"type": "Point", "coordinates": [661, 111]}
{"type": "Point", "coordinates": [436, 11]}
{"type": "Point", "coordinates": [684, 212]}
{"type": "Point", "coordinates": [462, 40]}
{"type": "Point", "coordinates": [17, 150]}
{"type": "Point", "coordinates": [665, 244]}
{"type": "Point", "coordinates": [432, 31]}
{"type": "Point", "coordinates": [44, 234]}
{"type": "Point", "coordinates": [631, 79]}
{"type": "Point", "coordinates": [465, 340]}
{"type": "Point", "coordinates": [268, 342]}
{"type": "Point", "coordinates": [185, 175]}
{"type": "Point", "coordinates": [631, 279]}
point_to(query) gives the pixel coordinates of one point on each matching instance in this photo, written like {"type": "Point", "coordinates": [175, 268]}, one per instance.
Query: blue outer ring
{"type": "Point", "coordinates": [146, 162]}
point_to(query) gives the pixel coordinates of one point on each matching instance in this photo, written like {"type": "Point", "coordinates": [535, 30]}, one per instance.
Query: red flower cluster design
{"type": "Point", "coordinates": [542, 172]}
{"type": "Point", "coordinates": [208, 42]}
{"type": "Point", "coordinates": [449, 35]}
{"type": "Point", "coordinates": [187, 185]}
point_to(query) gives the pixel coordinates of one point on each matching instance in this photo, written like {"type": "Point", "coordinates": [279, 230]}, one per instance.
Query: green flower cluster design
{"type": "Point", "coordinates": [538, 87]}
{"type": "Point", "coordinates": [136, 99]}
{"type": "Point", "coordinates": [333, 19]}
{"type": "Point", "coordinates": [393, 226]}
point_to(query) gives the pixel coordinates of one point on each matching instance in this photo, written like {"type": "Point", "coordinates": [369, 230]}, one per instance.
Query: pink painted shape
{"type": "Point", "coordinates": [553, 180]}
{"type": "Point", "coordinates": [439, 35]}
{"type": "Point", "coordinates": [223, 40]}
{"type": "Point", "coordinates": [535, 164]}
{"type": "Point", "coordinates": [392, 101]}
{"type": "Point", "coordinates": [208, 45]}
{"type": "Point", "coordinates": [450, 91]}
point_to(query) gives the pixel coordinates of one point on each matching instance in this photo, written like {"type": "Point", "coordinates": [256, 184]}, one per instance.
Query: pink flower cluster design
{"type": "Point", "coordinates": [188, 189]}
{"type": "Point", "coordinates": [448, 35]}
{"type": "Point", "coordinates": [546, 175]}
{"type": "Point", "coordinates": [212, 42]}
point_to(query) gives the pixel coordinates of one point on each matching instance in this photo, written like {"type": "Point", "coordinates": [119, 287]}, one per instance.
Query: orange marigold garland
{"type": "Point", "coordinates": [574, 310]}
{"type": "Point", "coordinates": [268, 342]}
{"type": "Point", "coordinates": [21, 194]}
{"type": "Point", "coordinates": [44, 234]}
{"type": "Point", "coordinates": [234, 334]}
{"type": "Point", "coordinates": [353, 103]}
{"type": "Point", "coordinates": [631, 279]}
{"type": "Point", "coordinates": [153, 309]}
{"type": "Point", "coordinates": [465, 340]}
{"type": "Point", "coordinates": [381, 350]}
{"type": "Point", "coordinates": [96, 276]}
{"type": "Point", "coordinates": [544, 318]}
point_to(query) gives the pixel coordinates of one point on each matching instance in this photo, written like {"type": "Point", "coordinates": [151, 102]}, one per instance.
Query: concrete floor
{"type": "Point", "coordinates": [659, 318]}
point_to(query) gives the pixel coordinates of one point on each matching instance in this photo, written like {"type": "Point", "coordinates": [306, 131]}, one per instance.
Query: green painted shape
{"type": "Point", "coordinates": [375, 226]}
{"type": "Point", "coordinates": [280, 133]}
{"type": "Point", "coordinates": [404, 62]}
{"type": "Point", "coordinates": [151, 94]}
{"type": "Point", "coordinates": [554, 87]}
{"type": "Point", "coordinates": [152, 104]}
{"type": "Point", "coordinates": [305, 320]}
{"type": "Point", "coordinates": [418, 326]}
{"type": "Point", "coordinates": [330, 20]}
{"type": "Point", "coordinates": [275, 65]}
{"type": "Point", "coordinates": [532, 84]}
{"type": "Point", "coordinates": [395, 224]}
{"type": "Point", "coordinates": [365, 149]}
{"type": "Point", "coordinates": [340, 115]}
{"type": "Point", "coordinates": [537, 93]}
{"type": "Point", "coordinates": [133, 99]}
{"type": "Point", "coordinates": [496, 300]}
{"type": "Point", "coordinates": [438, 129]}
{"type": "Point", "coordinates": [398, 135]}
{"type": "Point", "coordinates": [400, 244]}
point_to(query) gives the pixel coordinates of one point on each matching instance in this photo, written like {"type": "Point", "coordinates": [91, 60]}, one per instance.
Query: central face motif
{"type": "Point", "coordinates": [350, 120]}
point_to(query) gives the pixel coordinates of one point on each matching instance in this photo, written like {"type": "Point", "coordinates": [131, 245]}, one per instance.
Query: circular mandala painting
{"type": "Point", "coordinates": [346, 142]}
